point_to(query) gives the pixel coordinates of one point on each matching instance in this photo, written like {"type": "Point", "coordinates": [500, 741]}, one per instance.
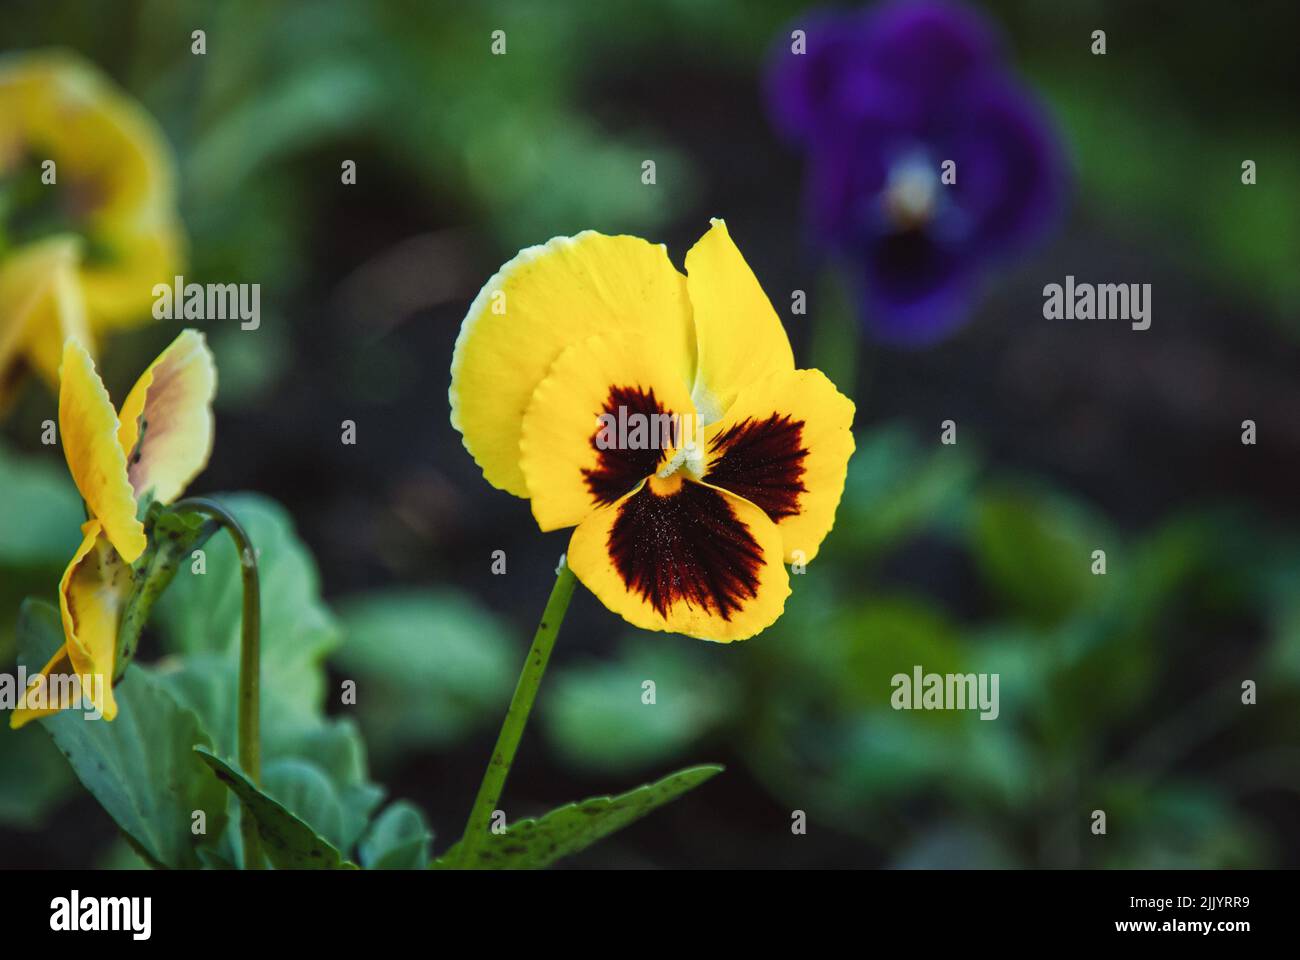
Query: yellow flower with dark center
{"type": "Point", "coordinates": [88, 220]}
{"type": "Point", "coordinates": [662, 416]}
{"type": "Point", "coordinates": [121, 462]}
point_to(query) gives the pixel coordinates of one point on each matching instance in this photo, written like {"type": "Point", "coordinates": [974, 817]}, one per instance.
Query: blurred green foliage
{"type": "Point", "coordinates": [1100, 707]}
{"type": "Point", "coordinates": [601, 715]}
{"type": "Point", "coordinates": [431, 667]}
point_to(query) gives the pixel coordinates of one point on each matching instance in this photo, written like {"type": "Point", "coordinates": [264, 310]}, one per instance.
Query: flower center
{"type": "Point", "coordinates": [685, 462]}
{"type": "Point", "coordinates": [666, 486]}
{"type": "Point", "coordinates": [911, 192]}
{"type": "Point", "coordinates": [32, 209]}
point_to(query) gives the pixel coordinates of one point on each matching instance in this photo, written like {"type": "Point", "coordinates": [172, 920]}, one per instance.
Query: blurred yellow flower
{"type": "Point", "coordinates": [88, 220]}
{"type": "Point", "coordinates": [121, 462]}
{"type": "Point", "coordinates": [660, 414]}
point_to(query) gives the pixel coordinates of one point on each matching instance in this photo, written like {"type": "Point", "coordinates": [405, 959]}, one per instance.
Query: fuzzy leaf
{"type": "Point", "coordinates": [531, 844]}
{"type": "Point", "coordinates": [399, 839]}
{"type": "Point", "coordinates": [288, 842]}
{"type": "Point", "coordinates": [141, 766]}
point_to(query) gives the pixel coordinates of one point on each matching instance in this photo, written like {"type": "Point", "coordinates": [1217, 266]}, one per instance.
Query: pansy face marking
{"type": "Point", "coordinates": [662, 416]}
{"type": "Point", "coordinates": [624, 460]}
{"type": "Point", "coordinates": [677, 542]}
{"type": "Point", "coordinates": [763, 462]}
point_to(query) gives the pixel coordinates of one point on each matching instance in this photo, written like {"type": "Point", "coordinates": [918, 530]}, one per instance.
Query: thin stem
{"type": "Point", "coordinates": [250, 654]}
{"type": "Point", "coordinates": [512, 729]}
{"type": "Point", "coordinates": [155, 571]}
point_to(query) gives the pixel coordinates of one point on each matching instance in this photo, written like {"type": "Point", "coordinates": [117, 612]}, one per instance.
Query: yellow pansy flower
{"type": "Point", "coordinates": [121, 462]}
{"type": "Point", "coordinates": [689, 529]}
{"type": "Point", "coordinates": [88, 220]}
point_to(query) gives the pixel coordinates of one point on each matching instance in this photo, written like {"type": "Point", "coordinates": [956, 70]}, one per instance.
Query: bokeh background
{"type": "Point", "coordinates": [1119, 692]}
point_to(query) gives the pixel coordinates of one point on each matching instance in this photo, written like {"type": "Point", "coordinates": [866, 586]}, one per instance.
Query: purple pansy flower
{"type": "Point", "coordinates": [880, 101]}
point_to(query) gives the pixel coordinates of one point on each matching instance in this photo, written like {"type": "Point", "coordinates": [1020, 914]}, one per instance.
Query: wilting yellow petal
{"type": "Point", "coordinates": [785, 445]}
{"type": "Point", "coordinates": [70, 107]}
{"type": "Point", "coordinates": [739, 336]}
{"type": "Point", "coordinates": [115, 175]}
{"type": "Point", "coordinates": [88, 427]}
{"type": "Point", "coordinates": [543, 300]}
{"type": "Point", "coordinates": [684, 557]}
{"type": "Point", "coordinates": [60, 664]}
{"type": "Point", "coordinates": [92, 594]}
{"type": "Point", "coordinates": [606, 417]}
{"type": "Point", "coordinates": [60, 314]}
{"type": "Point", "coordinates": [26, 277]}
{"type": "Point", "coordinates": [40, 307]}
{"type": "Point", "coordinates": [166, 421]}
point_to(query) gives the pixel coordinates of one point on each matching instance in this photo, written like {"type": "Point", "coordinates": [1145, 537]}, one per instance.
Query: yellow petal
{"type": "Point", "coordinates": [26, 277]}
{"type": "Point", "coordinates": [739, 336]}
{"type": "Point", "coordinates": [92, 594]}
{"type": "Point", "coordinates": [59, 315]}
{"type": "Point", "coordinates": [88, 427]}
{"type": "Point", "coordinates": [684, 557]}
{"type": "Point", "coordinates": [545, 299]}
{"type": "Point", "coordinates": [40, 307]}
{"type": "Point", "coordinates": [784, 446]}
{"type": "Point", "coordinates": [606, 417]}
{"type": "Point", "coordinates": [60, 665]}
{"type": "Point", "coordinates": [166, 421]}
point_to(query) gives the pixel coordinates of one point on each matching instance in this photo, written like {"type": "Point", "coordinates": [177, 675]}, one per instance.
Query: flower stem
{"type": "Point", "coordinates": [156, 569]}
{"type": "Point", "coordinates": [250, 654]}
{"type": "Point", "coordinates": [512, 729]}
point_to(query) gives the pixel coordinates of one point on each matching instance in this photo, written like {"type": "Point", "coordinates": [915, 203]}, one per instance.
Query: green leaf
{"type": "Point", "coordinates": [1176, 826]}
{"type": "Point", "coordinates": [304, 790]}
{"type": "Point", "coordinates": [40, 512]}
{"type": "Point", "coordinates": [1035, 549]}
{"type": "Point", "coordinates": [33, 777]}
{"type": "Point", "coordinates": [140, 767]}
{"type": "Point", "coordinates": [595, 716]}
{"type": "Point", "coordinates": [289, 843]}
{"type": "Point", "coordinates": [878, 638]}
{"type": "Point", "coordinates": [431, 666]}
{"type": "Point", "coordinates": [896, 487]}
{"type": "Point", "coordinates": [531, 844]}
{"type": "Point", "coordinates": [335, 748]}
{"type": "Point", "coordinates": [200, 613]}
{"type": "Point", "coordinates": [331, 748]}
{"type": "Point", "coordinates": [314, 765]}
{"type": "Point", "coordinates": [399, 839]}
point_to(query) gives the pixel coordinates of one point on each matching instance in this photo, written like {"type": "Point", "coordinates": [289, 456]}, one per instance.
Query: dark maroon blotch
{"type": "Point", "coordinates": [762, 461]}
{"type": "Point", "coordinates": [618, 471]}
{"type": "Point", "coordinates": [688, 546]}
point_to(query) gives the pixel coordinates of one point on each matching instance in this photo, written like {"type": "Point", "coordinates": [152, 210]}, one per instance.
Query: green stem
{"type": "Point", "coordinates": [250, 653]}
{"type": "Point", "coordinates": [156, 570]}
{"type": "Point", "coordinates": [512, 729]}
